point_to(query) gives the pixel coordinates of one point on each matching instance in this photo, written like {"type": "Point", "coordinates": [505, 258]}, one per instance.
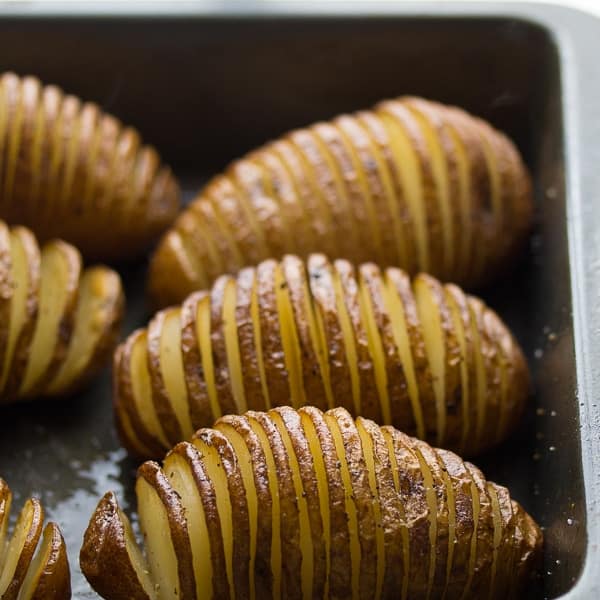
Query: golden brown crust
{"type": "Point", "coordinates": [40, 570]}
{"type": "Point", "coordinates": [354, 510]}
{"type": "Point", "coordinates": [103, 556]}
{"type": "Point", "coordinates": [418, 355]}
{"type": "Point", "coordinates": [71, 171]}
{"type": "Point", "coordinates": [411, 183]}
{"type": "Point", "coordinates": [78, 328]}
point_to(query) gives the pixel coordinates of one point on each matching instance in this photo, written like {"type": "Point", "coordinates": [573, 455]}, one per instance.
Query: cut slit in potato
{"type": "Point", "coordinates": [417, 356]}
{"type": "Point", "coordinates": [404, 520]}
{"type": "Point", "coordinates": [60, 273]}
{"type": "Point", "coordinates": [33, 562]}
{"type": "Point", "coordinates": [100, 299]}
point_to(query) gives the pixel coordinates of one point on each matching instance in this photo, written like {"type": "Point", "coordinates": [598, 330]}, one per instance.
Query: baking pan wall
{"type": "Point", "coordinates": [205, 90]}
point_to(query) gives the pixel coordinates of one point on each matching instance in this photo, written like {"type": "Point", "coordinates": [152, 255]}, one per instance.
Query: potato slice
{"type": "Point", "coordinates": [97, 322]}
{"type": "Point", "coordinates": [316, 378]}
{"type": "Point", "coordinates": [369, 402]}
{"type": "Point", "coordinates": [181, 478]}
{"type": "Point", "coordinates": [203, 405]}
{"type": "Point", "coordinates": [48, 576]}
{"type": "Point", "coordinates": [444, 174]}
{"type": "Point", "coordinates": [5, 506]}
{"type": "Point", "coordinates": [133, 391]}
{"type": "Point", "coordinates": [21, 549]}
{"type": "Point", "coordinates": [60, 274]}
{"type": "Point", "coordinates": [258, 484]}
{"type": "Point", "coordinates": [110, 557]}
{"type": "Point", "coordinates": [305, 537]}
{"type": "Point", "coordinates": [207, 442]}
{"type": "Point", "coordinates": [164, 527]}
{"type": "Point", "coordinates": [341, 557]}
{"type": "Point", "coordinates": [237, 217]}
{"type": "Point", "coordinates": [307, 198]}
{"type": "Point", "coordinates": [6, 283]}
{"type": "Point", "coordinates": [289, 517]}
{"type": "Point", "coordinates": [289, 339]}
{"type": "Point", "coordinates": [402, 226]}
{"type": "Point", "coordinates": [25, 277]}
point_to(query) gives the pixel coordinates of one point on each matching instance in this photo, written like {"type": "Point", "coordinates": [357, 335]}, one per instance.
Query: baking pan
{"type": "Point", "coordinates": [206, 84]}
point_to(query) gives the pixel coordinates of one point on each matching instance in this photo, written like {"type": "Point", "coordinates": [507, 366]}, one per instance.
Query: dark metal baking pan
{"type": "Point", "coordinates": [206, 85]}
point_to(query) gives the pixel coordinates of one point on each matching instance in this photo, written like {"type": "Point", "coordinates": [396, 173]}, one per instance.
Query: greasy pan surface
{"type": "Point", "coordinates": [205, 90]}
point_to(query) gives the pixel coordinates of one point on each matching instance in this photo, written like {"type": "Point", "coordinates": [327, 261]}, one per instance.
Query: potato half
{"type": "Point", "coordinates": [306, 504]}
{"type": "Point", "coordinates": [68, 170]}
{"type": "Point", "coordinates": [412, 183]}
{"type": "Point", "coordinates": [58, 322]}
{"type": "Point", "coordinates": [33, 560]}
{"type": "Point", "coordinates": [421, 356]}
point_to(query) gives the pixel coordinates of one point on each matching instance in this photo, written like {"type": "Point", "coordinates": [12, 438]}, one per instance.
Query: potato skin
{"type": "Point", "coordinates": [358, 341]}
{"type": "Point", "coordinates": [411, 183]}
{"type": "Point", "coordinates": [75, 172]}
{"type": "Point", "coordinates": [52, 576]}
{"type": "Point", "coordinates": [409, 508]}
{"type": "Point", "coordinates": [104, 285]}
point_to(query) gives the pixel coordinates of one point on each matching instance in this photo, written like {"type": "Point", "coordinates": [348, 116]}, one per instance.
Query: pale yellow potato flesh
{"type": "Point", "coordinates": [59, 279]}
{"type": "Point", "coordinates": [18, 315]}
{"type": "Point", "coordinates": [171, 366]}
{"type": "Point", "coordinates": [99, 298]}
{"type": "Point", "coordinates": [216, 473]}
{"type": "Point", "coordinates": [182, 481]}
{"type": "Point", "coordinates": [23, 541]}
{"type": "Point", "coordinates": [154, 524]}
{"type": "Point", "coordinates": [142, 389]}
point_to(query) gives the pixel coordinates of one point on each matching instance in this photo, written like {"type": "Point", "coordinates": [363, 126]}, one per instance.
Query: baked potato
{"type": "Point", "coordinates": [69, 170]}
{"type": "Point", "coordinates": [59, 323]}
{"type": "Point", "coordinates": [33, 562]}
{"type": "Point", "coordinates": [306, 504]}
{"type": "Point", "coordinates": [412, 184]}
{"type": "Point", "coordinates": [421, 356]}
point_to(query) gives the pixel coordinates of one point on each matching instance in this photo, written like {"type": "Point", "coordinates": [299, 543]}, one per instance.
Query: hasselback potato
{"type": "Point", "coordinates": [69, 170]}
{"type": "Point", "coordinates": [411, 183]}
{"type": "Point", "coordinates": [33, 562]}
{"type": "Point", "coordinates": [305, 504]}
{"type": "Point", "coordinates": [58, 322]}
{"type": "Point", "coordinates": [421, 356]}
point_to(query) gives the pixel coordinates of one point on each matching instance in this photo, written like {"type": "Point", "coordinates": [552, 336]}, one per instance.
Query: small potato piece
{"type": "Point", "coordinates": [411, 183]}
{"type": "Point", "coordinates": [74, 172]}
{"type": "Point", "coordinates": [421, 356]}
{"type": "Point", "coordinates": [61, 322]}
{"type": "Point", "coordinates": [304, 504]}
{"type": "Point", "coordinates": [33, 566]}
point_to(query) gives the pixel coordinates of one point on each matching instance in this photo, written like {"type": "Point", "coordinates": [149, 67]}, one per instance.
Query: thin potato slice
{"type": "Point", "coordinates": [33, 565]}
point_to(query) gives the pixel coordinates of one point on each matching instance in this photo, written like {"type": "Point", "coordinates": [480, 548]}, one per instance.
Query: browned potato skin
{"type": "Point", "coordinates": [108, 568]}
{"type": "Point", "coordinates": [339, 188]}
{"type": "Point", "coordinates": [108, 329]}
{"type": "Point", "coordinates": [54, 582]}
{"type": "Point", "coordinates": [79, 174]}
{"type": "Point", "coordinates": [401, 498]}
{"type": "Point", "coordinates": [328, 383]}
